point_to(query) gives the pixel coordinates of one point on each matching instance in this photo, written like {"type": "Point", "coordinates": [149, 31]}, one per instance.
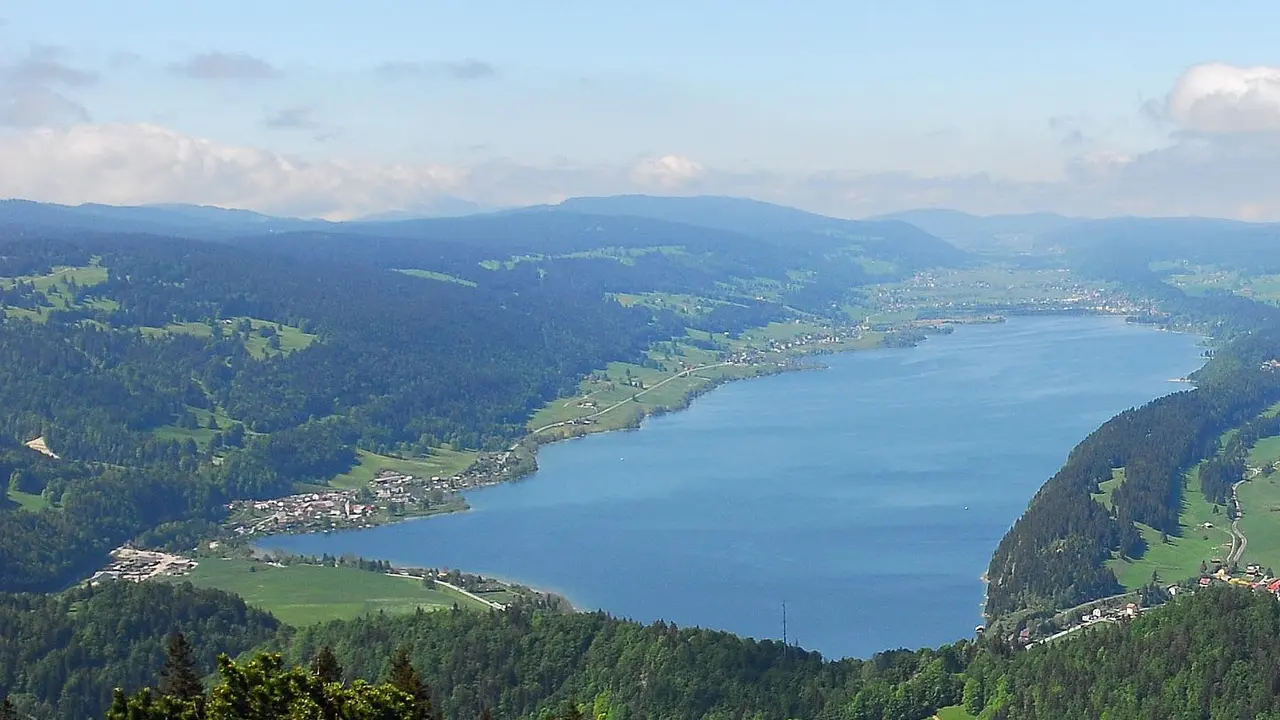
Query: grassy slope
{"type": "Point", "coordinates": [613, 389]}
{"type": "Point", "coordinates": [291, 338]}
{"type": "Point", "coordinates": [203, 434]}
{"type": "Point", "coordinates": [1261, 500]}
{"type": "Point", "coordinates": [954, 712]}
{"type": "Point", "coordinates": [433, 275]}
{"type": "Point", "coordinates": [307, 594]}
{"type": "Point", "coordinates": [1180, 557]}
{"type": "Point", "coordinates": [442, 462]}
{"type": "Point", "coordinates": [28, 501]}
{"type": "Point", "coordinates": [53, 286]}
{"type": "Point", "coordinates": [1107, 487]}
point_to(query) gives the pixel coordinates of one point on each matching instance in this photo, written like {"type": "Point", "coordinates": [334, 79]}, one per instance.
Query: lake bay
{"type": "Point", "coordinates": [868, 496]}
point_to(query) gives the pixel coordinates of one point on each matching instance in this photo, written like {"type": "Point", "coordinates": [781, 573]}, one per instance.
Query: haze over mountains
{"type": "Point", "coordinates": [1001, 234]}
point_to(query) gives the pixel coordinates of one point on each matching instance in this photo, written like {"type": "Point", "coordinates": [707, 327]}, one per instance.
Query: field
{"type": "Point", "coordinates": [202, 434]}
{"type": "Point", "coordinates": [433, 275]}
{"type": "Point", "coordinates": [256, 340]}
{"type": "Point", "coordinates": [624, 255]}
{"type": "Point", "coordinates": [683, 305]}
{"type": "Point", "coordinates": [1199, 279]}
{"type": "Point", "coordinates": [1261, 500]}
{"type": "Point", "coordinates": [1180, 557]}
{"type": "Point", "coordinates": [442, 462]}
{"type": "Point", "coordinates": [953, 290]}
{"type": "Point", "coordinates": [307, 594]}
{"type": "Point", "coordinates": [1106, 487]}
{"type": "Point", "coordinates": [640, 390]}
{"type": "Point", "coordinates": [83, 276]}
{"type": "Point", "coordinates": [28, 501]}
{"type": "Point", "coordinates": [955, 712]}
{"type": "Point", "coordinates": [56, 286]}
{"type": "Point", "coordinates": [620, 395]}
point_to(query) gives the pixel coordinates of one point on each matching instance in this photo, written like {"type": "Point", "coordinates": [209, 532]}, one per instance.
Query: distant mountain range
{"type": "Point", "coordinates": [193, 221]}
{"type": "Point", "coordinates": [936, 235]}
{"type": "Point", "coordinates": [989, 233]}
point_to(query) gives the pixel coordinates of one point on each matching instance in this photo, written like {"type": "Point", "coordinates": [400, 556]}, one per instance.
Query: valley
{"type": "Point", "coordinates": [309, 384]}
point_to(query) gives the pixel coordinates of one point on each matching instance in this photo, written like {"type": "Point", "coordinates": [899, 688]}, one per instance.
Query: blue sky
{"type": "Point", "coordinates": [339, 108]}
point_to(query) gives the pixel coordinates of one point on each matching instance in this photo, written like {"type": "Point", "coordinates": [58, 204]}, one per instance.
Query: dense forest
{"type": "Point", "coordinates": [291, 351]}
{"type": "Point", "coordinates": [1212, 654]}
{"type": "Point", "coordinates": [61, 656]}
{"type": "Point", "coordinates": [517, 663]}
{"type": "Point", "coordinates": [1054, 556]}
{"type": "Point", "coordinates": [398, 364]}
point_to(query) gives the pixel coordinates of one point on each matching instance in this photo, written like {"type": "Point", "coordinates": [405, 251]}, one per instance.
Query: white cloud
{"type": "Point", "coordinates": [131, 164]}
{"type": "Point", "coordinates": [1224, 175]}
{"type": "Point", "coordinates": [667, 172]}
{"type": "Point", "coordinates": [1221, 98]}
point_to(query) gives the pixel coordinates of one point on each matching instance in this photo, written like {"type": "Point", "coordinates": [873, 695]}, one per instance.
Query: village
{"type": "Point", "coordinates": [1022, 291]}
{"type": "Point", "coordinates": [389, 495]}
{"type": "Point", "coordinates": [129, 563]}
{"type": "Point", "coordinates": [1122, 608]}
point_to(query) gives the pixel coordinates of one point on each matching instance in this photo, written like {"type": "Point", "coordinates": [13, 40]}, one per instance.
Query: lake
{"type": "Point", "coordinates": [868, 496]}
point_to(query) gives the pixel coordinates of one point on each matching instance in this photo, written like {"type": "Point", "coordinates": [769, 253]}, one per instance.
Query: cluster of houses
{"type": "Point", "coordinates": [805, 340]}
{"type": "Point", "coordinates": [129, 563]}
{"type": "Point", "coordinates": [488, 469]}
{"type": "Point", "coordinates": [302, 512]}
{"type": "Point", "coordinates": [388, 495]}
{"type": "Point", "coordinates": [1069, 295]}
{"type": "Point", "coordinates": [1255, 578]}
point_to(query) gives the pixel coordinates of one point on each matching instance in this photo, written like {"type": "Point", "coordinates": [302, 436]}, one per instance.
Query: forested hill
{"type": "Point", "coordinates": [888, 239]}
{"type": "Point", "coordinates": [171, 376]}
{"type": "Point", "coordinates": [62, 655]}
{"type": "Point", "coordinates": [1214, 654]}
{"type": "Point", "coordinates": [809, 269]}
{"type": "Point", "coordinates": [1134, 243]}
{"type": "Point", "coordinates": [294, 362]}
{"type": "Point", "coordinates": [1055, 555]}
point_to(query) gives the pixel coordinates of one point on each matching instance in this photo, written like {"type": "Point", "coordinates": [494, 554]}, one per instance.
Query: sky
{"type": "Point", "coordinates": [342, 109]}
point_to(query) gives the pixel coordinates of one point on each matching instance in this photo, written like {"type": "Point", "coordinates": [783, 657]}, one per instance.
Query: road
{"type": "Point", "coordinates": [455, 588]}
{"type": "Point", "coordinates": [1238, 541]}
{"type": "Point", "coordinates": [620, 403]}
{"type": "Point", "coordinates": [1070, 630]}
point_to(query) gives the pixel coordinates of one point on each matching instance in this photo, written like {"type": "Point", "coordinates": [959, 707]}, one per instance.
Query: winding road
{"type": "Point", "coordinates": [1238, 541]}
{"type": "Point", "coordinates": [620, 403]}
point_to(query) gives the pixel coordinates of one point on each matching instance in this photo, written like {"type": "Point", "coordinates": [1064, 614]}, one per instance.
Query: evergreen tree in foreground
{"type": "Point", "coordinates": [179, 678]}
{"type": "Point", "coordinates": [326, 667]}
{"type": "Point", "coordinates": [264, 688]}
{"type": "Point", "coordinates": [404, 676]}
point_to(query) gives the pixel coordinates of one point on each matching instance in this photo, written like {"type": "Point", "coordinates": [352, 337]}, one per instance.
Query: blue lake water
{"type": "Point", "coordinates": [868, 496]}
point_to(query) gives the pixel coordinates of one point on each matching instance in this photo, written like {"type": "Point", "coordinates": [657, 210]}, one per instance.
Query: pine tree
{"type": "Point", "coordinates": [404, 676]}
{"type": "Point", "coordinates": [178, 677]}
{"type": "Point", "coordinates": [326, 667]}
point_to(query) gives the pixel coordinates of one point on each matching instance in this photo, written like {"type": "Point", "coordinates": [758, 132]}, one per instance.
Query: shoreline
{"type": "Point", "coordinates": [794, 362]}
